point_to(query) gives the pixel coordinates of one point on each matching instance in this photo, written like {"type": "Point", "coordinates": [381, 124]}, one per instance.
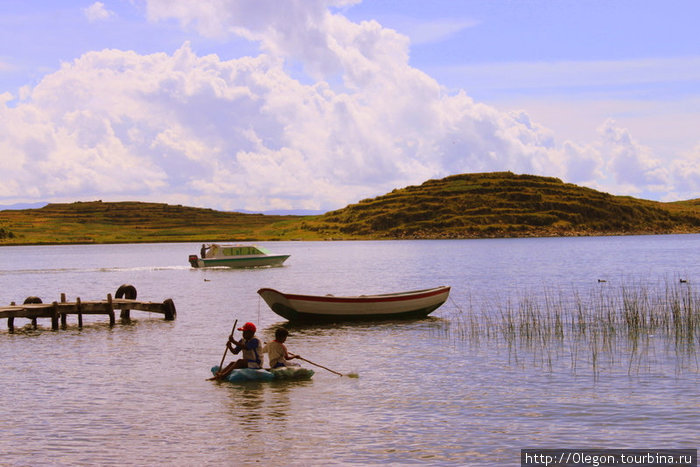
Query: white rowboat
{"type": "Point", "coordinates": [322, 308]}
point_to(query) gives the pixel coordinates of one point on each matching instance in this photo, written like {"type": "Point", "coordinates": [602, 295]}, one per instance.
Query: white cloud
{"type": "Point", "coordinates": [97, 12]}
{"type": "Point", "coordinates": [686, 171]}
{"type": "Point", "coordinates": [243, 133]}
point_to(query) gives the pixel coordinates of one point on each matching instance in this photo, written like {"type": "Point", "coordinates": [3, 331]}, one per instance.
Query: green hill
{"type": "Point", "coordinates": [134, 222]}
{"type": "Point", "coordinates": [500, 204]}
{"type": "Point", "coordinates": [503, 204]}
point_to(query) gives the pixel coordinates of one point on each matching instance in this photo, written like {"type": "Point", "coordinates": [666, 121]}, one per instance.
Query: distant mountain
{"type": "Point", "coordinates": [285, 212]}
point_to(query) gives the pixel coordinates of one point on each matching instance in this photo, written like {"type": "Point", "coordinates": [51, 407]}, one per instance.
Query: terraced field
{"type": "Point", "coordinates": [499, 204]}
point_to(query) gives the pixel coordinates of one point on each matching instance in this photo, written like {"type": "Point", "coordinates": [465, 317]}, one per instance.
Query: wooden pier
{"type": "Point", "coordinates": [124, 300]}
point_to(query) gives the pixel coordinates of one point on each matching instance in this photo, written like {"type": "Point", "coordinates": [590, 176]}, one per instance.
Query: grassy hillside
{"type": "Point", "coordinates": [134, 222]}
{"type": "Point", "coordinates": [499, 204]}
{"type": "Point", "coordinates": [504, 204]}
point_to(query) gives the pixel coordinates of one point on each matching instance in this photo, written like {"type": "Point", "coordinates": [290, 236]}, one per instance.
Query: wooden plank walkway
{"type": "Point", "coordinates": [59, 311]}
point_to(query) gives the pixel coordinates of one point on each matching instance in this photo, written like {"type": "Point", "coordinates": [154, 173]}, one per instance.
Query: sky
{"type": "Point", "coordinates": [265, 105]}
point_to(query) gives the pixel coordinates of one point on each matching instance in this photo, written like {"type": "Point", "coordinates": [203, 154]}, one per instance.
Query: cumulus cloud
{"type": "Point", "coordinates": [686, 175]}
{"type": "Point", "coordinates": [97, 12]}
{"type": "Point", "coordinates": [630, 162]}
{"type": "Point", "coordinates": [243, 133]}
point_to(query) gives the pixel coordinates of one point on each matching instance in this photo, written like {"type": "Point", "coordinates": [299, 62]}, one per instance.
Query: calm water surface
{"type": "Point", "coordinates": [136, 394]}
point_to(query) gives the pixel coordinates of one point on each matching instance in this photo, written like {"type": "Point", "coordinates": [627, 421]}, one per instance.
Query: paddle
{"type": "Point", "coordinates": [349, 375]}
{"type": "Point", "coordinates": [221, 365]}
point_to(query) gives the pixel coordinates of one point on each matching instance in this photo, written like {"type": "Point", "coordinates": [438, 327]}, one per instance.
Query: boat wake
{"type": "Point", "coordinates": [15, 272]}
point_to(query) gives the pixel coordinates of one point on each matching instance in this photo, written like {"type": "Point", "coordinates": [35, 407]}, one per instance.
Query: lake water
{"type": "Point", "coordinates": [137, 394]}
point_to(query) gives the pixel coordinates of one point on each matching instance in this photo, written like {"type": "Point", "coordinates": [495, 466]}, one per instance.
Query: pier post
{"type": "Point", "coordinates": [80, 312]}
{"type": "Point", "coordinates": [64, 324]}
{"type": "Point", "coordinates": [11, 322]}
{"type": "Point", "coordinates": [110, 309]}
{"type": "Point", "coordinates": [54, 317]}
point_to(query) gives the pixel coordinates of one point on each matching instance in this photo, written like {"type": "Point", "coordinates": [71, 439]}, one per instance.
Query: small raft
{"type": "Point", "coordinates": [243, 375]}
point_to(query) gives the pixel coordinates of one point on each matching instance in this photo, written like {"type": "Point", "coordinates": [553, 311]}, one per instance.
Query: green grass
{"type": "Point", "coordinates": [499, 204]}
{"type": "Point", "coordinates": [503, 204]}
{"type": "Point", "coordinates": [134, 222]}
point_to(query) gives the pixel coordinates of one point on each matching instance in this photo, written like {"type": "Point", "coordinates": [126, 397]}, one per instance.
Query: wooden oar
{"type": "Point", "coordinates": [352, 375]}
{"type": "Point", "coordinates": [221, 365]}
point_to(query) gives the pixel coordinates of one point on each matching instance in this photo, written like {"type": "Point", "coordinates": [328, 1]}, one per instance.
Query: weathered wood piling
{"type": "Point", "coordinates": [124, 300]}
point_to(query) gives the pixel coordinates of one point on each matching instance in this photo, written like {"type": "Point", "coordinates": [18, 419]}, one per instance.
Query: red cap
{"type": "Point", "coordinates": [248, 327]}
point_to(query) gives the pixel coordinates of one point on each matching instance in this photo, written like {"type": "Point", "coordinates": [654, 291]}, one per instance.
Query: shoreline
{"type": "Point", "coordinates": [444, 236]}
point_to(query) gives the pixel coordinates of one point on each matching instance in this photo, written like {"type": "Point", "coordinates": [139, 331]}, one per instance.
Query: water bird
{"type": "Point", "coordinates": [683, 281]}
{"type": "Point", "coordinates": [602, 280]}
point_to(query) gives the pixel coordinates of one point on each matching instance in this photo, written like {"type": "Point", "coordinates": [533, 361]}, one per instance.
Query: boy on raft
{"type": "Point", "coordinates": [251, 348]}
{"type": "Point", "coordinates": [277, 351]}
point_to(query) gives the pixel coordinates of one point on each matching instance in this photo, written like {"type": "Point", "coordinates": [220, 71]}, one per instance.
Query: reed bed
{"type": "Point", "coordinates": [639, 325]}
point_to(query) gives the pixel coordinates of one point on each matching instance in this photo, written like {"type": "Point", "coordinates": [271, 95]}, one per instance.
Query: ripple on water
{"type": "Point", "coordinates": [138, 394]}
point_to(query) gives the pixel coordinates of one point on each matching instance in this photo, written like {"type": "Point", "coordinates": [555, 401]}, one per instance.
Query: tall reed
{"type": "Point", "coordinates": [607, 325]}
